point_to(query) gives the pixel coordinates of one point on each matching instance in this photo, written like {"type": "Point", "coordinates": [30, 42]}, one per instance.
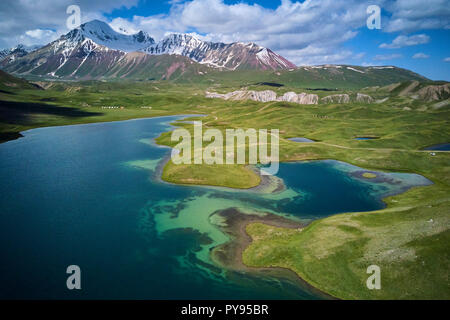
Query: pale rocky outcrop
{"type": "Point", "coordinates": [266, 96]}
{"type": "Point", "coordinates": [345, 98]}
{"type": "Point", "coordinates": [336, 98]}
{"type": "Point", "coordinates": [302, 98]}
{"type": "Point", "coordinates": [305, 98]}
{"type": "Point", "coordinates": [360, 97]}
{"type": "Point", "coordinates": [435, 92]}
{"type": "Point", "coordinates": [263, 96]}
{"type": "Point", "coordinates": [289, 97]}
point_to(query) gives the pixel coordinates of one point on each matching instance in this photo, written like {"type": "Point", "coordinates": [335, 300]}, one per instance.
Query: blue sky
{"type": "Point", "coordinates": [149, 7]}
{"type": "Point", "coordinates": [414, 33]}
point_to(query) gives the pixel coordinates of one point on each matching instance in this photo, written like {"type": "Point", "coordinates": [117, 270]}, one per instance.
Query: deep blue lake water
{"type": "Point", "coordinates": [87, 195]}
{"type": "Point", "coordinates": [439, 147]}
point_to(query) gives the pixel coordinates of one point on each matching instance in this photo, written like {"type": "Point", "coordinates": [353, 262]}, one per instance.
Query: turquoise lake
{"type": "Point", "coordinates": [88, 195]}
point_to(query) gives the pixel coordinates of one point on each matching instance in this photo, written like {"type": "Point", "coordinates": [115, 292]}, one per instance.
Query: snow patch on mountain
{"type": "Point", "coordinates": [17, 51]}
{"type": "Point", "coordinates": [356, 70]}
{"type": "Point", "coordinates": [219, 55]}
{"type": "Point", "coordinates": [101, 33]}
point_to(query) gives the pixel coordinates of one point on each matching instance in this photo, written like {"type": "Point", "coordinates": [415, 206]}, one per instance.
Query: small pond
{"type": "Point", "coordinates": [366, 138]}
{"type": "Point", "coordinates": [301, 139]}
{"type": "Point", "coordinates": [439, 147]}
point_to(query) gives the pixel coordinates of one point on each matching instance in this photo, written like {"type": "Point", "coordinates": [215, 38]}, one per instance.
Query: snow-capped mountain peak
{"type": "Point", "coordinates": [95, 45]}
{"type": "Point", "coordinates": [216, 54]}
{"type": "Point", "coordinates": [18, 51]}
{"type": "Point", "coordinates": [19, 48]}
{"type": "Point", "coordinates": [102, 34]}
{"type": "Point", "coordinates": [176, 43]}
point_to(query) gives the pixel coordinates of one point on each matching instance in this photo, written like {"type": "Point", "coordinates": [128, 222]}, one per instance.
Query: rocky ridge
{"type": "Point", "coordinates": [302, 98]}
{"type": "Point", "coordinates": [266, 96]}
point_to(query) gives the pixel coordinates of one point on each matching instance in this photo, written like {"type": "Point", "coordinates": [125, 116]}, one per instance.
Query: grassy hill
{"type": "Point", "coordinates": [10, 83]}
{"type": "Point", "coordinates": [335, 77]}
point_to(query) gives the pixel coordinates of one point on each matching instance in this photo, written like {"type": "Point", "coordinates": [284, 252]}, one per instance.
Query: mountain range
{"type": "Point", "coordinates": [220, 55]}
{"type": "Point", "coordinates": [16, 52]}
{"type": "Point", "coordinates": [95, 51]}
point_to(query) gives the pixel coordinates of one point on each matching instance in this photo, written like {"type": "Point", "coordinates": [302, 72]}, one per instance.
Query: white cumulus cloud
{"type": "Point", "coordinates": [305, 32]}
{"type": "Point", "coordinates": [37, 37]}
{"type": "Point", "coordinates": [19, 17]}
{"type": "Point", "coordinates": [412, 15]}
{"type": "Point", "coordinates": [405, 41]}
{"type": "Point", "coordinates": [382, 57]}
{"type": "Point", "coordinates": [420, 55]}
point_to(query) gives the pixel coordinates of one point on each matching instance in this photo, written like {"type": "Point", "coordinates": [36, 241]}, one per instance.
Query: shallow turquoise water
{"type": "Point", "coordinates": [88, 195]}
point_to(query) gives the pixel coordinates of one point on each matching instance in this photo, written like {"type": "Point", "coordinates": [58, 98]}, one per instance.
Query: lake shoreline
{"type": "Point", "coordinates": [14, 135]}
{"type": "Point", "coordinates": [229, 255]}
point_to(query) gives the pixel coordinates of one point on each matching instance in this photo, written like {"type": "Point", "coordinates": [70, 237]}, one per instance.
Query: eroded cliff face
{"type": "Point", "coordinates": [434, 92]}
{"type": "Point", "coordinates": [262, 96]}
{"type": "Point", "coordinates": [364, 98]}
{"type": "Point", "coordinates": [302, 98]}
{"type": "Point", "coordinates": [336, 98]}
{"type": "Point", "coordinates": [266, 96]}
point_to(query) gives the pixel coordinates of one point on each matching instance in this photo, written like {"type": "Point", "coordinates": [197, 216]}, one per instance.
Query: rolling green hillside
{"type": "Point", "coordinates": [334, 77]}
{"type": "Point", "coordinates": [9, 83]}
